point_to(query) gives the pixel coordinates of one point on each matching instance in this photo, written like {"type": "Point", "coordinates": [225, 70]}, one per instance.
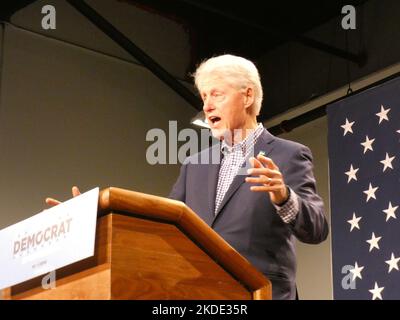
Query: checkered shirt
{"type": "Point", "coordinates": [233, 158]}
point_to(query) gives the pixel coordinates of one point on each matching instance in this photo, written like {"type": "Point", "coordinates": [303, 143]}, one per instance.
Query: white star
{"type": "Point", "coordinates": [373, 242]}
{"type": "Point", "coordinates": [347, 127]}
{"type": "Point", "coordinates": [376, 292]}
{"type": "Point", "coordinates": [356, 271]}
{"type": "Point", "coordinates": [390, 212]}
{"type": "Point", "coordinates": [351, 174]}
{"type": "Point", "coordinates": [370, 192]}
{"type": "Point", "coordinates": [387, 163]}
{"type": "Point", "coordinates": [354, 222]}
{"type": "Point", "coordinates": [368, 144]}
{"type": "Point", "coordinates": [398, 131]}
{"type": "Point", "coordinates": [383, 114]}
{"type": "Point", "coordinates": [393, 263]}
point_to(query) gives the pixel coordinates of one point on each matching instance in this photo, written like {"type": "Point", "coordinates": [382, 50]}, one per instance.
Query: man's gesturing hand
{"type": "Point", "coordinates": [266, 173]}
{"type": "Point", "coordinates": [54, 202]}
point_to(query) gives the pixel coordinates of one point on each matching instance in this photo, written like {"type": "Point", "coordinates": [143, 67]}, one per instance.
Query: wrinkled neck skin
{"type": "Point", "coordinates": [235, 136]}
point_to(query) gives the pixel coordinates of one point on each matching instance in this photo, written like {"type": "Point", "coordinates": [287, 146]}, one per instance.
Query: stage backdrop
{"type": "Point", "coordinates": [364, 162]}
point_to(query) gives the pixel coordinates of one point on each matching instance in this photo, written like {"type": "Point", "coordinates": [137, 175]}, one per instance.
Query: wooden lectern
{"type": "Point", "coordinates": [150, 247]}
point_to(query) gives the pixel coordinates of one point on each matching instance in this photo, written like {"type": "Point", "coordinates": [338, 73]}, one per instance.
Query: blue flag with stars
{"type": "Point", "coordinates": [364, 169]}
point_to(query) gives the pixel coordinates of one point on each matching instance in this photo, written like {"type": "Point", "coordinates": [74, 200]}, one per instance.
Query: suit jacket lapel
{"type": "Point", "coordinates": [264, 143]}
{"type": "Point", "coordinates": [212, 181]}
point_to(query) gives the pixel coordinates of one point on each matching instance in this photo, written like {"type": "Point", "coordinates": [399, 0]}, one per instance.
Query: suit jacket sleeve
{"type": "Point", "coordinates": [178, 191]}
{"type": "Point", "coordinates": [310, 225]}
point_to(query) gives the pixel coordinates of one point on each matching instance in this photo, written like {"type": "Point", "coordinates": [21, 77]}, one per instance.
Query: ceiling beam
{"type": "Point", "coordinates": [320, 111]}
{"type": "Point", "coordinates": [359, 59]}
{"type": "Point", "coordinates": [106, 27]}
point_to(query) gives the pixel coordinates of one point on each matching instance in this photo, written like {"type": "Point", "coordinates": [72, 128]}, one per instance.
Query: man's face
{"type": "Point", "coordinates": [224, 107]}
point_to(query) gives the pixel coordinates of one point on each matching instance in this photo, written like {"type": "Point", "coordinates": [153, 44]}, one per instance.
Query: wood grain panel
{"type": "Point", "coordinates": [153, 207]}
{"type": "Point", "coordinates": [160, 260]}
{"type": "Point", "coordinates": [91, 284]}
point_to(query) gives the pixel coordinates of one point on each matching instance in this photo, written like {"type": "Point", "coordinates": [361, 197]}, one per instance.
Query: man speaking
{"type": "Point", "coordinates": [259, 211]}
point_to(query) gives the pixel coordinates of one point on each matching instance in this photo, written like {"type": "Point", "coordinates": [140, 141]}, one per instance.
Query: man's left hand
{"type": "Point", "coordinates": [266, 173]}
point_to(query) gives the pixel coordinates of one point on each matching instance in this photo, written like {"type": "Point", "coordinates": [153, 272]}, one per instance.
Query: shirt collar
{"type": "Point", "coordinates": [245, 145]}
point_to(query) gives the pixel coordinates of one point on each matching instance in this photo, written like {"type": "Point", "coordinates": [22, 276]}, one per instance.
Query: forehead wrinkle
{"type": "Point", "coordinates": [214, 84]}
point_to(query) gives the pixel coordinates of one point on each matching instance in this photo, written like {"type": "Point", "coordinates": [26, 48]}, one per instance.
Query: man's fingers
{"type": "Point", "coordinates": [264, 171]}
{"type": "Point", "coordinates": [255, 163]}
{"type": "Point", "coordinates": [264, 180]}
{"type": "Point", "coordinates": [75, 191]}
{"type": "Point", "coordinates": [267, 162]}
{"type": "Point", "coordinates": [52, 202]}
{"type": "Point", "coordinates": [265, 188]}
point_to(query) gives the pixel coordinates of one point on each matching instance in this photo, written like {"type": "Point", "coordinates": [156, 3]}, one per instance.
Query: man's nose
{"type": "Point", "coordinates": [208, 105]}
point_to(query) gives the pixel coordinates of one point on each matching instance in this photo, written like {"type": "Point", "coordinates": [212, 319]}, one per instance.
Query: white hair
{"type": "Point", "coordinates": [237, 71]}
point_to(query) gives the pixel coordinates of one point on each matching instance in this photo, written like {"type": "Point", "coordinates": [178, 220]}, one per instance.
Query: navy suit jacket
{"type": "Point", "coordinates": [248, 221]}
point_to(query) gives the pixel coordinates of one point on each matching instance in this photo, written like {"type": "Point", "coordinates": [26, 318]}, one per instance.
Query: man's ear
{"type": "Point", "coordinates": [248, 97]}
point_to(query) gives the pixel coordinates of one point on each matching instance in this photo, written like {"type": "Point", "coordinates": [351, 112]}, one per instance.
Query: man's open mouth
{"type": "Point", "coordinates": [214, 119]}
